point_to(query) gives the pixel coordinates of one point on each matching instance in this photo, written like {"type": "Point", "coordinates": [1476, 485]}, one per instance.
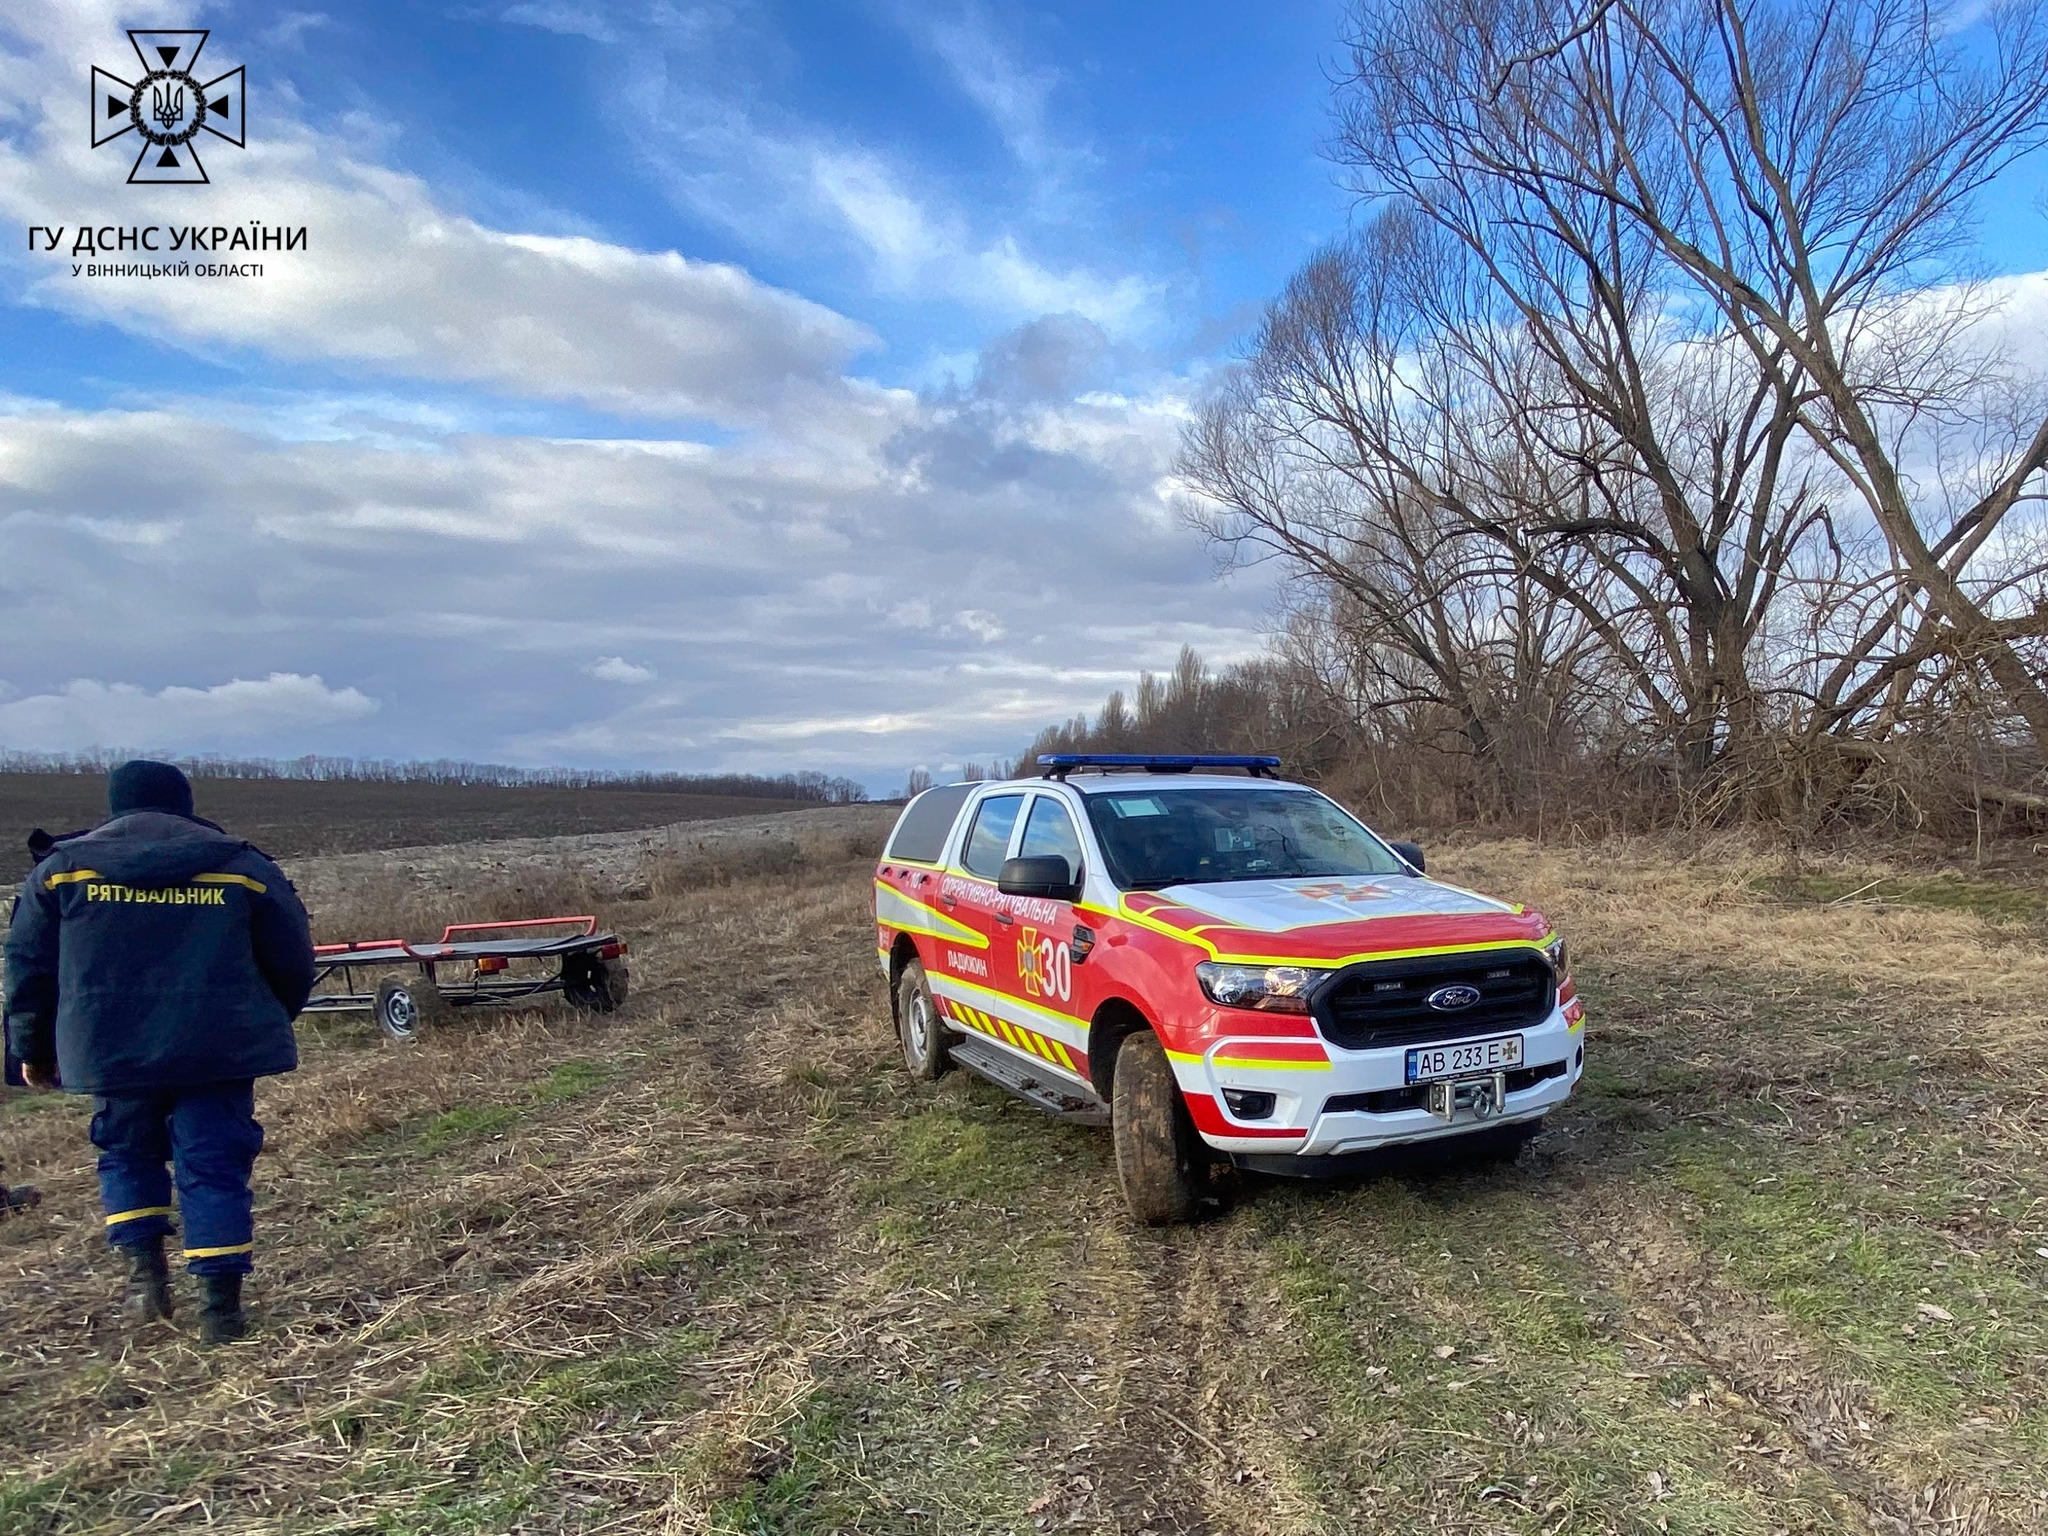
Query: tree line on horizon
{"type": "Point", "coordinates": [1654, 449]}
{"type": "Point", "coordinates": [810, 787]}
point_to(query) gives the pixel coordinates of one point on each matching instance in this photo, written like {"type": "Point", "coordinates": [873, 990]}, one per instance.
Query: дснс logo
{"type": "Point", "coordinates": [168, 106]}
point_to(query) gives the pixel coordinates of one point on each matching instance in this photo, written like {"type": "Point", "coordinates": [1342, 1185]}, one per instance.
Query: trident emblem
{"type": "Point", "coordinates": [167, 106]}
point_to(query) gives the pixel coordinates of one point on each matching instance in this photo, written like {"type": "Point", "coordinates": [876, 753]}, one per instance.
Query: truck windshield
{"type": "Point", "coordinates": [1157, 837]}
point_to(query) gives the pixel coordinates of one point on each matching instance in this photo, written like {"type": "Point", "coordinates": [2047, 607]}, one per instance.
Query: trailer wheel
{"type": "Point", "coordinates": [1158, 1151]}
{"type": "Point", "coordinates": [406, 1005]}
{"type": "Point", "coordinates": [918, 1028]}
{"type": "Point", "coordinates": [593, 984]}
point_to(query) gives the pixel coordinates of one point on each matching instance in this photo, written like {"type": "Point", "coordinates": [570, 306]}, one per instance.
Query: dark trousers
{"type": "Point", "coordinates": [210, 1136]}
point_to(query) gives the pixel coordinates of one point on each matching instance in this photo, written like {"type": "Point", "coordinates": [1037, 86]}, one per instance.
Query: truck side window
{"type": "Point", "coordinates": [1050, 830]}
{"type": "Point", "coordinates": [990, 839]}
{"type": "Point", "coordinates": [921, 834]}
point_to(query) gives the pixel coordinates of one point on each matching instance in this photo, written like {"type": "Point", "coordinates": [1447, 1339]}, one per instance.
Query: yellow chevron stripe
{"type": "Point", "coordinates": [70, 876]}
{"type": "Point", "coordinates": [216, 1253]}
{"type": "Point", "coordinates": [1042, 1046]}
{"type": "Point", "coordinates": [1010, 1000]}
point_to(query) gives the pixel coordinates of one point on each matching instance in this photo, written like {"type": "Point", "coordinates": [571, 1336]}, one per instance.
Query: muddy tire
{"type": "Point", "coordinates": [919, 1029]}
{"type": "Point", "coordinates": [1160, 1159]}
{"type": "Point", "coordinates": [594, 984]}
{"type": "Point", "coordinates": [407, 1005]}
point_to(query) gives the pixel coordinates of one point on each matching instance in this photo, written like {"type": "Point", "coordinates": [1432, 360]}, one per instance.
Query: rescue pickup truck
{"type": "Point", "coordinates": [1222, 966]}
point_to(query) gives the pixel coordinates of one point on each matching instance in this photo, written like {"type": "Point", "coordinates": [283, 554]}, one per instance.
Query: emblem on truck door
{"type": "Point", "coordinates": [1451, 999]}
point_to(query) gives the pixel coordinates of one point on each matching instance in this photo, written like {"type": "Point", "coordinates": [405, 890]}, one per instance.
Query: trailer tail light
{"type": "Point", "coordinates": [490, 965]}
{"type": "Point", "coordinates": [612, 951]}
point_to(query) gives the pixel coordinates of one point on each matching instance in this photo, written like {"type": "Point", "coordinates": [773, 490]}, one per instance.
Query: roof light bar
{"type": "Point", "coordinates": [1058, 765]}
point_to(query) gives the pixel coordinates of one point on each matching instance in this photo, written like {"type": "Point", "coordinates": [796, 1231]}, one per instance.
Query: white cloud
{"type": "Point", "coordinates": [85, 713]}
{"type": "Point", "coordinates": [918, 581]}
{"type": "Point", "coordinates": [865, 577]}
{"type": "Point", "coordinates": [787, 183]}
{"type": "Point", "coordinates": [913, 249]}
{"type": "Point", "coordinates": [1014, 95]}
{"type": "Point", "coordinates": [565, 19]}
{"type": "Point", "coordinates": [393, 281]}
{"type": "Point", "coordinates": [981, 624]}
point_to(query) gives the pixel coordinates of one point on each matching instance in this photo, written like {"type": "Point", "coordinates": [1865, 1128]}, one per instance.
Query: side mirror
{"type": "Point", "coordinates": [1412, 852]}
{"type": "Point", "coordinates": [1045, 876]}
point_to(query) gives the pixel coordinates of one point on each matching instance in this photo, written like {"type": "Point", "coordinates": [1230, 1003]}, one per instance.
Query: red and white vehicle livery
{"type": "Point", "coordinates": [1221, 965]}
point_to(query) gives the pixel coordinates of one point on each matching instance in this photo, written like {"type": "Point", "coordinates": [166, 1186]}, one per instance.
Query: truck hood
{"type": "Point", "coordinates": [1335, 917]}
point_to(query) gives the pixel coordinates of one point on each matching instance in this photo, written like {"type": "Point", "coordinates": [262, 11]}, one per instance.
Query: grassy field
{"type": "Point", "coordinates": [717, 1266]}
{"type": "Point", "coordinates": [293, 818]}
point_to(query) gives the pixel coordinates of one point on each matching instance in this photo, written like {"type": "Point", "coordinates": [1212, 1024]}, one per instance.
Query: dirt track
{"type": "Point", "coordinates": [718, 1266]}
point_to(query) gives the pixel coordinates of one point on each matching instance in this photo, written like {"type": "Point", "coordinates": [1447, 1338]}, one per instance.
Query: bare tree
{"type": "Point", "coordinates": [1789, 179]}
{"type": "Point", "coordinates": [1530, 499]}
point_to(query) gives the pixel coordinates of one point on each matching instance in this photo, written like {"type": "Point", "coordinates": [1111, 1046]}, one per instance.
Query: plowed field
{"type": "Point", "coordinates": [293, 818]}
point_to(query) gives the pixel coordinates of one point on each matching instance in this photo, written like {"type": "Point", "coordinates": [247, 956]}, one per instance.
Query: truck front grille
{"type": "Point", "coordinates": [1386, 1002]}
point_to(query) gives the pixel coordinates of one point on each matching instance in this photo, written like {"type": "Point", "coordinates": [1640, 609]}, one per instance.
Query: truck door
{"type": "Point", "coordinates": [1032, 953]}
{"type": "Point", "coordinates": [968, 895]}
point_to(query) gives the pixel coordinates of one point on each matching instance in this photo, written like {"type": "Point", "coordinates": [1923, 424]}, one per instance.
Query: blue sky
{"type": "Point", "coordinates": [698, 386]}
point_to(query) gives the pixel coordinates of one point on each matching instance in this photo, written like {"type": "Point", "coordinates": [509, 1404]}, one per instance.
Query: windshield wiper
{"type": "Point", "coordinates": [1162, 883]}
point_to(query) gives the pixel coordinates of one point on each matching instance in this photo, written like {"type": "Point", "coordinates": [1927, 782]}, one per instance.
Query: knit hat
{"type": "Point", "coordinates": [142, 785]}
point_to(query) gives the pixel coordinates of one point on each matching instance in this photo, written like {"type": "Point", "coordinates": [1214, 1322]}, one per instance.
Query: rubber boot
{"type": "Point", "coordinates": [148, 1297]}
{"type": "Point", "coordinates": [220, 1309]}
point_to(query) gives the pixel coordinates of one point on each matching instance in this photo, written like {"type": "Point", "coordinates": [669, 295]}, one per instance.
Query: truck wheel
{"type": "Point", "coordinates": [595, 984]}
{"type": "Point", "coordinates": [407, 1005]}
{"type": "Point", "coordinates": [918, 1028]}
{"type": "Point", "coordinates": [1158, 1153]}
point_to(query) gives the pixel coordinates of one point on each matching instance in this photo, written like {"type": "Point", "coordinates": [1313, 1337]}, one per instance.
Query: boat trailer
{"type": "Point", "coordinates": [407, 986]}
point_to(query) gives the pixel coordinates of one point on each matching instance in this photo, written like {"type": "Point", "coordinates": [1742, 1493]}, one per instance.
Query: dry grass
{"type": "Point", "coordinates": [715, 1266]}
{"type": "Point", "coordinates": [1971, 958]}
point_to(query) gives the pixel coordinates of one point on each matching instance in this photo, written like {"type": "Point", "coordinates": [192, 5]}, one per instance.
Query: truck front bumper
{"type": "Point", "coordinates": [1361, 1100]}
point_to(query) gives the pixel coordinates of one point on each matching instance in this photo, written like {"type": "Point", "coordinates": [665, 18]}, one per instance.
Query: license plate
{"type": "Point", "coordinates": [1426, 1063]}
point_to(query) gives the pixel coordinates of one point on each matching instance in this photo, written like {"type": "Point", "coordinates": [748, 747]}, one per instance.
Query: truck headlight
{"type": "Point", "coordinates": [1271, 988]}
{"type": "Point", "coordinates": [1560, 956]}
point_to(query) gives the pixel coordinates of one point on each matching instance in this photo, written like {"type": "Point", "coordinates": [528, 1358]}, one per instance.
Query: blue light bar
{"type": "Point", "coordinates": [1058, 764]}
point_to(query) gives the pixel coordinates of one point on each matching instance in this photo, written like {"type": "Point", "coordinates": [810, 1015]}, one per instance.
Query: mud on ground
{"type": "Point", "coordinates": [717, 1265]}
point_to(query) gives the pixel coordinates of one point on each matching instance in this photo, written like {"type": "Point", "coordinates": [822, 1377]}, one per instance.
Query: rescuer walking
{"type": "Point", "coordinates": [157, 963]}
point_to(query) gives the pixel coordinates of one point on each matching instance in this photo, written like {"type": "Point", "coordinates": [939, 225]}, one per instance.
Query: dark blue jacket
{"type": "Point", "coordinates": [156, 952]}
